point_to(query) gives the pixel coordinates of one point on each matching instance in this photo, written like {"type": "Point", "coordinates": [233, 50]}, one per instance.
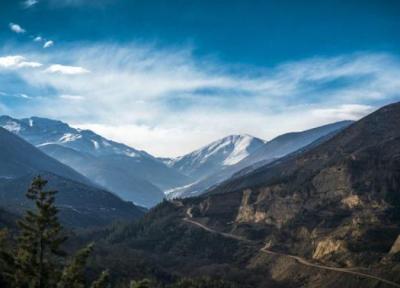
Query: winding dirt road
{"type": "Point", "coordinates": [342, 270]}
{"type": "Point", "coordinates": [298, 259]}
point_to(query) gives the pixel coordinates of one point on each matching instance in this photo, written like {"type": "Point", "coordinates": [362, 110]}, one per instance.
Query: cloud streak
{"type": "Point", "coordinates": [48, 44]}
{"type": "Point", "coordinates": [72, 97]}
{"type": "Point", "coordinates": [16, 28]}
{"type": "Point", "coordinates": [169, 102]}
{"type": "Point", "coordinates": [29, 3]}
{"type": "Point", "coordinates": [68, 70]}
{"type": "Point", "coordinates": [17, 61]}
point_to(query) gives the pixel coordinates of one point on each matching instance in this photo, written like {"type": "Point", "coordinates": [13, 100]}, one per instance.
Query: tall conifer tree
{"type": "Point", "coordinates": [38, 260]}
{"type": "Point", "coordinates": [40, 238]}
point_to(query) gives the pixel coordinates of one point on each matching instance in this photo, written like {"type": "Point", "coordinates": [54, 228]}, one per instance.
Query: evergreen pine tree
{"type": "Point", "coordinates": [38, 260]}
{"type": "Point", "coordinates": [73, 275]}
{"type": "Point", "coordinates": [7, 263]}
{"type": "Point", "coordinates": [39, 240]}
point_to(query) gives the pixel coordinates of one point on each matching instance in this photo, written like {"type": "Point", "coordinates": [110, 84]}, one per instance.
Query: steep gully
{"type": "Point", "coordinates": [189, 219]}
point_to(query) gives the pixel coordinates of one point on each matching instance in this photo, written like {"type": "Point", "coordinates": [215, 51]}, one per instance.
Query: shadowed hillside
{"type": "Point", "coordinates": [336, 204]}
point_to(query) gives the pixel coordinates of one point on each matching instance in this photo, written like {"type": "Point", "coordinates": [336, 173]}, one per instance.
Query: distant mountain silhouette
{"type": "Point", "coordinates": [82, 202]}
{"type": "Point", "coordinates": [132, 174]}
{"type": "Point", "coordinates": [260, 154]}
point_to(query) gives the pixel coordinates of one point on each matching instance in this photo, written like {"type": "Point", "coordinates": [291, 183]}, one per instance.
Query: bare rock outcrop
{"type": "Point", "coordinates": [327, 247]}
{"type": "Point", "coordinates": [395, 247]}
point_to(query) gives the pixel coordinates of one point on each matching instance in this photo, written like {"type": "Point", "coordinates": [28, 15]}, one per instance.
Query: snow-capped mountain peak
{"type": "Point", "coordinates": [43, 131]}
{"type": "Point", "coordinates": [241, 149]}
{"type": "Point", "coordinates": [9, 124]}
{"type": "Point", "coordinates": [223, 152]}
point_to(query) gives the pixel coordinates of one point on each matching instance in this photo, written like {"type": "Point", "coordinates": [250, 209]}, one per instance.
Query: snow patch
{"type": "Point", "coordinates": [240, 150]}
{"type": "Point", "coordinates": [13, 127]}
{"type": "Point", "coordinates": [175, 191]}
{"type": "Point", "coordinates": [95, 144]}
{"type": "Point", "coordinates": [45, 144]}
{"type": "Point", "coordinates": [69, 137]}
{"type": "Point", "coordinates": [131, 154]}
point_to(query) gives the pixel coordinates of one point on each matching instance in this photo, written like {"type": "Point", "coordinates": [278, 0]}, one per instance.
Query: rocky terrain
{"type": "Point", "coordinates": [335, 205]}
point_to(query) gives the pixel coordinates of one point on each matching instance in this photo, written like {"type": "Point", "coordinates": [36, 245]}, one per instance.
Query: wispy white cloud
{"type": "Point", "coordinates": [29, 3]}
{"type": "Point", "coordinates": [38, 39]}
{"type": "Point", "coordinates": [23, 95]}
{"type": "Point", "coordinates": [345, 111]}
{"type": "Point", "coordinates": [17, 61]}
{"type": "Point", "coordinates": [75, 3]}
{"type": "Point", "coordinates": [68, 70]}
{"type": "Point", "coordinates": [72, 97]}
{"type": "Point", "coordinates": [169, 102]}
{"type": "Point", "coordinates": [48, 44]}
{"type": "Point", "coordinates": [15, 95]}
{"type": "Point", "coordinates": [16, 28]}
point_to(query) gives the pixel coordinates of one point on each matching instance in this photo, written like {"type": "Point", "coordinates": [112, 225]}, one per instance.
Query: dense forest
{"type": "Point", "coordinates": [35, 253]}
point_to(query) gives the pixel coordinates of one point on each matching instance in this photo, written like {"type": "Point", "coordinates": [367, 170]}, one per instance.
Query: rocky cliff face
{"type": "Point", "coordinates": [327, 247]}
{"type": "Point", "coordinates": [396, 246]}
{"type": "Point", "coordinates": [337, 203]}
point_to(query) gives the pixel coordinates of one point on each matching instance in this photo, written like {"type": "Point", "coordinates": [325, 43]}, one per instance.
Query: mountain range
{"type": "Point", "coordinates": [317, 208]}
{"type": "Point", "coordinates": [234, 154]}
{"type": "Point", "coordinates": [82, 203]}
{"type": "Point", "coordinates": [144, 179]}
{"type": "Point", "coordinates": [325, 216]}
{"type": "Point", "coordinates": [215, 156]}
{"type": "Point", "coordinates": [132, 174]}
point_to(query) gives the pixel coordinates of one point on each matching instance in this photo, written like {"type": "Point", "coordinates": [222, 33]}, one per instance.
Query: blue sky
{"type": "Point", "coordinates": [171, 76]}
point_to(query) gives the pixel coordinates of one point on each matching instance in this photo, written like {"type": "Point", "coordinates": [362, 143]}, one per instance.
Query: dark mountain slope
{"type": "Point", "coordinates": [162, 241]}
{"type": "Point", "coordinates": [132, 174]}
{"type": "Point", "coordinates": [370, 134]}
{"type": "Point", "coordinates": [19, 158]}
{"type": "Point", "coordinates": [336, 204]}
{"type": "Point", "coordinates": [82, 203]}
{"type": "Point", "coordinates": [111, 172]}
{"type": "Point", "coordinates": [339, 201]}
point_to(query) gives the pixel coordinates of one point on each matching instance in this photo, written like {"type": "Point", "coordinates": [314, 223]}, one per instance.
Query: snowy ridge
{"type": "Point", "coordinates": [131, 174]}
{"type": "Point", "coordinates": [218, 154]}
{"type": "Point", "coordinates": [42, 132]}
{"type": "Point", "coordinates": [244, 158]}
{"type": "Point", "coordinates": [176, 192]}
{"type": "Point", "coordinates": [12, 126]}
{"type": "Point", "coordinates": [240, 151]}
